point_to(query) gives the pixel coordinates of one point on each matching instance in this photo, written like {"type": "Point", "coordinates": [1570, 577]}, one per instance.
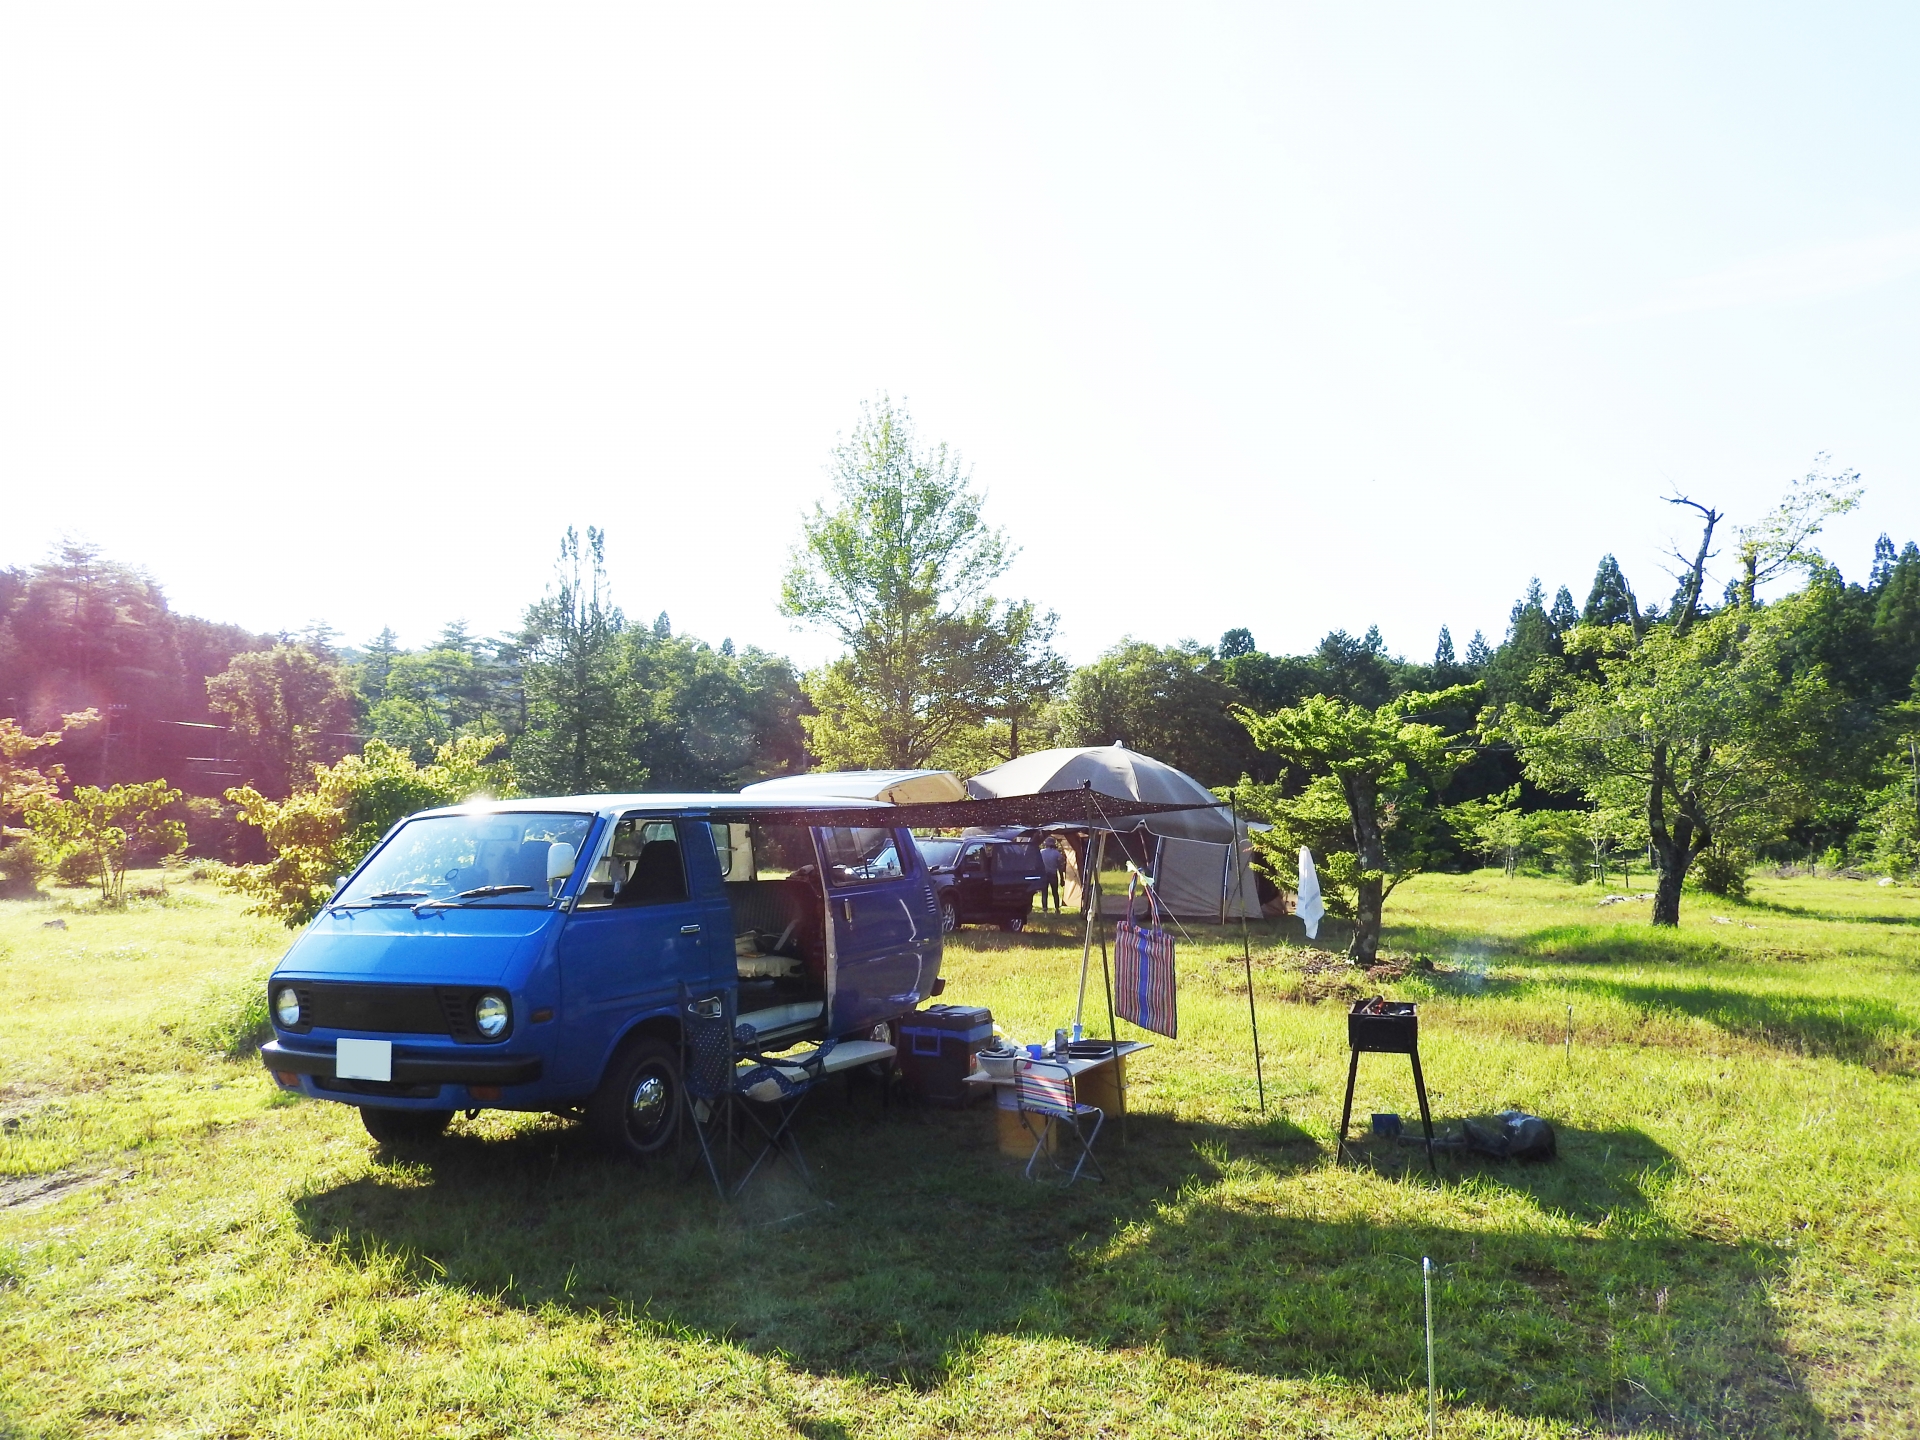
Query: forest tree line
{"type": "Point", "coordinates": [936, 669]}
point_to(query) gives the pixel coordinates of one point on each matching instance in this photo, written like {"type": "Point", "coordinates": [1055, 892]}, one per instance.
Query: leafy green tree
{"type": "Point", "coordinates": [295, 709]}
{"type": "Point", "coordinates": [579, 732]}
{"type": "Point", "coordinates": [1390, 767]}
{"type": "Point", "coordinates": [323, 831]}
{"type": "Point", "coordinates": [1492, 827]}
{"type": "Point", "coordinates": [900, 570]}
{"type": "Point", "coordinates": [1172, 702]}
{"type": "Point", "coordinates": [1706, 727]}
{"type": "Point", "coordinates": [24, 785]}
{"type": "Point", "coordinates": [105, 829]}
{"type": "Point", "coordinates": [706, 719]}
{"type": "Point", "coordinates": [1779, 540]}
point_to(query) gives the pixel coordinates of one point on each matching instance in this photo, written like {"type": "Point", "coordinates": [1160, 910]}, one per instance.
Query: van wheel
{"type": "Point", "coordinates": [405, 1127]}
{"type": "Point", "coordinates": [636, 1110]}
{"type": "Point", "coordinates": [949, 915]}
{"type": "Point", "coordinates": [1014, 924]}
{"type": "Point", "coordinates": [887, 1032]}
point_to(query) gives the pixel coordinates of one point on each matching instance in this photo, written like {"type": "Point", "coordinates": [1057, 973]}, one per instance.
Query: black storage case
{"type": "Point", "coordinates": [937, 1046]}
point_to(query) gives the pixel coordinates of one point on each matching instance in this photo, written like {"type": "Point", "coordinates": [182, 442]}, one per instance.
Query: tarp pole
{"type": "Point", "coordinates": [1246, 945]}
{"type": "Point", "coordinates": [1113, 1027]}
{"type": "Point", "coordinates": [1086, 951]}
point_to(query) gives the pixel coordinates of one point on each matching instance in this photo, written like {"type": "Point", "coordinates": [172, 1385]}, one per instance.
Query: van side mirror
{"type": "Point", "coordinates": [339, 884]}
{"type": "Point", "coordinates": [560, 856]}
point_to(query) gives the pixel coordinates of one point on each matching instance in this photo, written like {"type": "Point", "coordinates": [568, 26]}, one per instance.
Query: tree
{"type": "Point", "coordinates": [325, 830]}
{"type": "Point", "coordinates": [1530, 638]}
{"type": "Point", "coordinates": [1389, 767]}
{"type": "Point", "coordinates": [1172, 702]}
{"type": "Point", "coordinates": [1780, 540]}
{"type": "Point", "coordinates": [1479, 653]}
{"type": "Point", "coordinates": [900, 570]}
{"type": "Point", "coordinates": [1443, 648]}
{"type": "Point", "coordinates": [108, 828]}
{"type": "Point", "coordinates": [1610, 601]}
{"type": "Point", "coordinates": [1706, 728]}
{"type": "Point", "coordinates": [294, 708]}
{"type": "Point", "coordinates": [706, 719]}
{"type": "Point", "coordinates": [578, 738]}
{"type": "Point", "coordinates": [22, 786]}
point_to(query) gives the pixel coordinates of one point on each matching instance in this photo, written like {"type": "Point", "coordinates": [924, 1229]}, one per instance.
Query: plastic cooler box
{"type": "Point", "coordinates": [937, 1046]}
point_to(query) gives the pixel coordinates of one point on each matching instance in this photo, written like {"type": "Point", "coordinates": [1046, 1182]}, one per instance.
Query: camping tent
{"type": "Point", "coordinates": [1192, 860]}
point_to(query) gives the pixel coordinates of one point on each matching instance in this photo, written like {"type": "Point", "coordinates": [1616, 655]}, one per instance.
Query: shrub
{"type": "Point", "coordinates": [1722, 871]}
{"type": "Point", "coordinates": [97, 833]}
{"type": "Point", "coordinates": [326, 831]}
{"type": "Point", "coordinates": [23, 864]}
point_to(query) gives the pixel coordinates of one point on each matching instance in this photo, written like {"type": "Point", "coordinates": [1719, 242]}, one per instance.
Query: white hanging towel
{"type": "Point", "coordinates": [1308, 906]}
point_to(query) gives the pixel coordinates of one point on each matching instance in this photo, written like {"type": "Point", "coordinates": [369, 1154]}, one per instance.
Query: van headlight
{"type": "Point", "coordinates": [286, 1006]}
{"type": "Point", "coordinates": [490, 1015]}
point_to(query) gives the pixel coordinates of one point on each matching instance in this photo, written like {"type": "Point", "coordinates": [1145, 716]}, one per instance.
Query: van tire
{"type": "Point", "coordinates": [636, 1110]}
{"type": "Point", "coordinates": [404, 1127]}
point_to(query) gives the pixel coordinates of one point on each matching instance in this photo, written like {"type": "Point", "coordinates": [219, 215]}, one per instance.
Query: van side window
{"type": "Point", "coordinates": [733, 848]}
{"type": "Point", "coordinates": [855, 855]}
{"type": "Point", "coordinates": [641, 866]}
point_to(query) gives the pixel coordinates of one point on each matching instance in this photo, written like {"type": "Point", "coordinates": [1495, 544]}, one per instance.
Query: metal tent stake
{"type": "Point", "coordinates": [1426, 1281]}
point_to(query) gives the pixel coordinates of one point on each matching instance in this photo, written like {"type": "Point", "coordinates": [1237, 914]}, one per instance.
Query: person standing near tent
{"type": "Point", "coordinates": [1056, 862]}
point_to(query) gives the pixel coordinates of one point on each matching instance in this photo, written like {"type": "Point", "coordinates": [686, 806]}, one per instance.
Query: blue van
{"type": "Point", "coordinates": [534, 955]}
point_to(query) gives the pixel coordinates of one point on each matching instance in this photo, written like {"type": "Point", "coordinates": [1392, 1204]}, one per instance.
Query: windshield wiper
{"type": "Point", "coordinates": [479, 892]}
{"type": "Point", "coordinates": [398, 895]}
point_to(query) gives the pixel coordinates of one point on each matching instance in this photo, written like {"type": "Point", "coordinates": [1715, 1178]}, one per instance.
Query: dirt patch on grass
{"type": "Point", "coordinates": [31, 1192]}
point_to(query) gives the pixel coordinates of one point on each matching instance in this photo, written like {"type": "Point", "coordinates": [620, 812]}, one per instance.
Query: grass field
{"type": "Point", "coordinates": [1727, 1245]}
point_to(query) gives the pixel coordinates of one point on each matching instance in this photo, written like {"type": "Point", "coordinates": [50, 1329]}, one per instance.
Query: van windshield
{"type": "Point", "coordinates": [469, 860]}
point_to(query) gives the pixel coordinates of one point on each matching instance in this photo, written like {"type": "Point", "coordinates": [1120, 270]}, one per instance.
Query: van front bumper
{"type": "Point", "coordinates": [412, 1065]}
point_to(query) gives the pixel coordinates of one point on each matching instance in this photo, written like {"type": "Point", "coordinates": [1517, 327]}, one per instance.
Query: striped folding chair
{"type": "Point", "coordinates": [1045, 1088]}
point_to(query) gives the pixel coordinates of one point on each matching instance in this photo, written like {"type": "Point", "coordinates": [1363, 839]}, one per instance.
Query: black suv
{"type": "Point", "coordinates": [984, 879]}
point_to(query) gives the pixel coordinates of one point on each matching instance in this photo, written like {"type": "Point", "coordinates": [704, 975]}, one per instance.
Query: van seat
{"type": "Point", "coordinates": [783, 1017]}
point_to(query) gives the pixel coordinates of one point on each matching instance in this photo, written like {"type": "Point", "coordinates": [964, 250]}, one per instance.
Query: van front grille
{"type": "Point", "coordinates": [389, 1009]}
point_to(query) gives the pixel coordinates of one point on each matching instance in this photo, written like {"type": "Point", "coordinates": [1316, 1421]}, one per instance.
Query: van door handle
{"type": "Point", "coordinates": [689, 929]}
{"type": "Point", "coordinates": [846, 908]}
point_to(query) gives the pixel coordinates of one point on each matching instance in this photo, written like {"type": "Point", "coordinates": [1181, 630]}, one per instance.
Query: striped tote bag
{"type": "Point", "coordinates": [1143, 978]}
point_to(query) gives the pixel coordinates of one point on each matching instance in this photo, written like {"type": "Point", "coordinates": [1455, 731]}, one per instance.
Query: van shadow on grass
{"type": "Point", "coordinates": [934, 1243]}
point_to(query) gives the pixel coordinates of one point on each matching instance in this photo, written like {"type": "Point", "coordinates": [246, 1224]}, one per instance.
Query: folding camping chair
{"type": "Point", "coordinates": [1045, 1088]}
{"type": "Point", "coordinates": [722, 1069]}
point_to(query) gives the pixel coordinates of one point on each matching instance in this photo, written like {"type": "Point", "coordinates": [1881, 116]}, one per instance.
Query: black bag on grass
{"type": "Point", "coordinates": [1510, 1135]}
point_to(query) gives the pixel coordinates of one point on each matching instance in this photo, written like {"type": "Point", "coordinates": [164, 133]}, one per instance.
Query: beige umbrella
{"type": "Point", "coordinates": [1113, 770]}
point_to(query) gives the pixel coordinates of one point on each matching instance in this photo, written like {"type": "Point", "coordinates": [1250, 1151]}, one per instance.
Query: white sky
{"type": "Point", "coordinates": [1278, 317]}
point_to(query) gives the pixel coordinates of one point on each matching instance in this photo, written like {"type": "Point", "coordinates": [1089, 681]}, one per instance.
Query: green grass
{"type": "Point", "coordinates": [1727, 1244]}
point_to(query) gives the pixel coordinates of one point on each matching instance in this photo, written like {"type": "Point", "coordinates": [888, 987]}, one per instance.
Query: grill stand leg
{"type": "Point", "coordinates": [1426, 1115]}
{"type": "Point", "coordinates": [1346, 1110]}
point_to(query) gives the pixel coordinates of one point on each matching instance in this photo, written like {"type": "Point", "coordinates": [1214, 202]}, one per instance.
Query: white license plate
{"type": "Point", "coordinates": [364, 1060]}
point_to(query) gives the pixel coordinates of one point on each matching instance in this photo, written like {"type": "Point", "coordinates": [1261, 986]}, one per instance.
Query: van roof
{"type": "Point", "coordinates": [620, 804]}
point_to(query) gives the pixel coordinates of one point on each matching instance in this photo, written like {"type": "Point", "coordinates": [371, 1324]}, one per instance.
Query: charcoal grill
{"type": "Point", "coordinates": [1384, 1027]}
